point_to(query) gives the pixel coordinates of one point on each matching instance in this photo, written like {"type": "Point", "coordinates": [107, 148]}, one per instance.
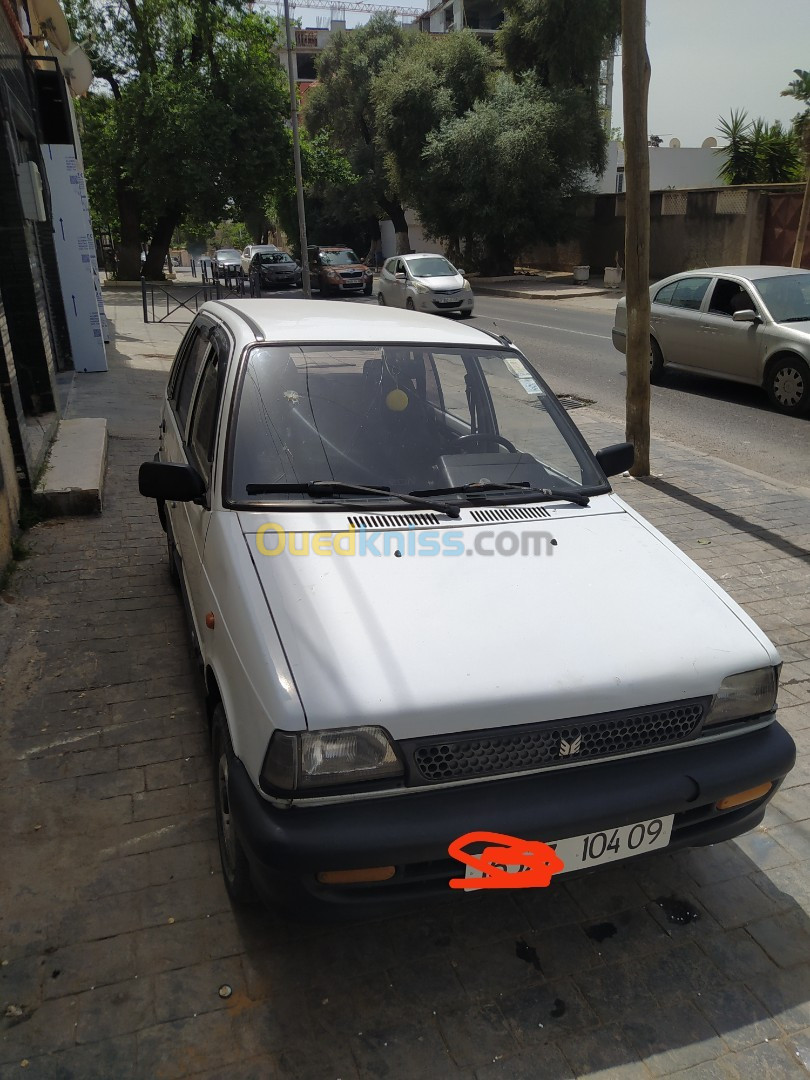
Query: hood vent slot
{"type": "Point", "coordinates": [395, 521]}
{"type": "Point", "coordinates": [509, 513]}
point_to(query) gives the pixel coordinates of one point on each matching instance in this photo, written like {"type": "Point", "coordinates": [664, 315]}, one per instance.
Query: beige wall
{"type": "Point", "coordinates": [9, 495]}
{"type": "Point", "coordinates": [688, 230]}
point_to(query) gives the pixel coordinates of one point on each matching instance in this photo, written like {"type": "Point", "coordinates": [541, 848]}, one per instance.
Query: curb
{"type": "Point", "coordinates": [483, 290]}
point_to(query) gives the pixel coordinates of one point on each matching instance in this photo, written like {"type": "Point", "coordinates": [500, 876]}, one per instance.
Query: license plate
{"type": "Point", "coordinates": [596, 848]}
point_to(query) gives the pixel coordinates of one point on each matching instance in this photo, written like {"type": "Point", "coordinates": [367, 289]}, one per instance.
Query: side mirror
{"type": "Point", "coordinates": [617, 458]}
{"type": "Point", "coordinates": [400, 275]}
{"type": "Point", "coordinates": [747, 315]}
{"type": "Point", "coordinates": [459, 271]}
{"type": "Point", "coordinates": [170, 483]}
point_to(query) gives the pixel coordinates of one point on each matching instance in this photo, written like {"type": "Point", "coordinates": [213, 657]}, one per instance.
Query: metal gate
{"type": "Point", "coordinates": [781, 225]}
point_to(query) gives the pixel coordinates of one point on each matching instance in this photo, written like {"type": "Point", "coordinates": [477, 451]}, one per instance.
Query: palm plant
{"type": "Point", "coordinates": [757, 152]}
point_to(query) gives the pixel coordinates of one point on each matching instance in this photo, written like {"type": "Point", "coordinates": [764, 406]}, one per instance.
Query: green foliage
{"type": "Point", "coordinates": [507, 171]}
{"type": "Point", "coordinates": [432, 79]}
{"type": "Point", "coordinates": [341, 107]}
{"type": "Point", "coordinates": [799, 89]}
{"type": "Point", "coordinates": [562, 42]}
{"type": "Point", "coordinates": [191, 123]}
{"type": "Point", "coordinates": [757, 152]}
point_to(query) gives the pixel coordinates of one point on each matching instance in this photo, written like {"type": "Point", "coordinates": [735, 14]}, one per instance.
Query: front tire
{"type": "Point", "coordinates": [380, 299]}
{"type": "Point", "coordinates": [235, 867]}
{"type": "Point", "coordinates": [787, 384]}
{"type": "Point", "coordinates": [656, 362]}
{"type": "Point", "coordinates": [409, 304]}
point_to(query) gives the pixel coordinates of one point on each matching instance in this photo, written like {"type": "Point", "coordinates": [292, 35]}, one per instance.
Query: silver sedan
{"type": "Point", "coordinates": [750, 324]}
{"type": "Point", "coordinates": [425, 283]}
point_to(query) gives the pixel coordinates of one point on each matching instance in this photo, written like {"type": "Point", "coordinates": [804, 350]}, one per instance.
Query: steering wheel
{"type": "Point", "coordinates": [487, 437]}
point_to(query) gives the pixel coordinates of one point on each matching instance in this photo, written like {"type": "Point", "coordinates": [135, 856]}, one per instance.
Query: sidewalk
{"type": "Point", "coordinates": [548, 286]}
{"type": "Point", "coordinates": [120, 956]}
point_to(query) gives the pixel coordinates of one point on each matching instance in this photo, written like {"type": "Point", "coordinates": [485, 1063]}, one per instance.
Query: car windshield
{"type": "Point", "coordinates": [432, 266]}
{"type": "Point", "coordinates": [339, 258]}
{"type": "Point", "coordinates": [787, 297]}
{"type": "Point", "coordinates": [228, 254]}
{"type": "Point", "coordinates": [271, 257]}
{"type": "Point", "coordinates": [410, 418]}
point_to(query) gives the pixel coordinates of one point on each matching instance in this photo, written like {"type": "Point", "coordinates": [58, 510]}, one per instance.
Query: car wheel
{"type": "Point", "coordinates": [380, 299]}
{"type": "Point", "coordinates": [788, 385]}
{"type": "Point", "coordinates": [656, 362]}
{"type": "Point", "coordinates": [235, 867]}
{"type": "Point", "coordinates": [409, 304]}
{"type": "Point", "coordinates": [465, 314]}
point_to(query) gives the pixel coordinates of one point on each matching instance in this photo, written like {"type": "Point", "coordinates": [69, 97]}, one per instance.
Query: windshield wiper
{"type": "Point", "coordinates": [325, 488]}
{"type": "Point", "coordinates": [525, 488]}
{"type": "Point", "coordinates": [798, 318]}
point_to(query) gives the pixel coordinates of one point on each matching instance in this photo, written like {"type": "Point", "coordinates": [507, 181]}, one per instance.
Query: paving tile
{"type": "Point", "coordinates": [736, 902]}
{"type": "Point", "coordinates": [476, 1035]}
{"type": "Point", "coordinates": [547, 1011]}
{"type": "Point", "coordinates": [670, 1039]}
{"type": "Point", "coordinates": [785, 938]}
{"type": "Point", "coordinates": [604, 1053]}
{"type": "Point", "coordinates": [737, 1016]}
{"type": "Point", "coordinates": [546, 1063]}
{"type": "Point", "coordinates": [402, 1050]}
{"type": "Point", "coordinates": [114, 1057]}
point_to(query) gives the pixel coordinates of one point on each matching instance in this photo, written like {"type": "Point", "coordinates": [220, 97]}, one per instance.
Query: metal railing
{"type": "Point", "coordinates": [187, 298]}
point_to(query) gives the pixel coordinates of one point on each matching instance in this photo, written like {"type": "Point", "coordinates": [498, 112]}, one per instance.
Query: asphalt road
{"type": "Point", "coordinates": [570, 344]}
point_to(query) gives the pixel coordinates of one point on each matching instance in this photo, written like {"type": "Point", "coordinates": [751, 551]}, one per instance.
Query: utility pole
{"type": "Point", "coordinates": [299, 183]}
{"type": "Point", "coordinates": [635, 84]}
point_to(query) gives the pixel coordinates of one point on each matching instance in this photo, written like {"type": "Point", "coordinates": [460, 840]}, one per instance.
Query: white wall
{"type": "Point", "coordinates": [419, 242]}
{"type": "Point", "coordinates": [686, 167]}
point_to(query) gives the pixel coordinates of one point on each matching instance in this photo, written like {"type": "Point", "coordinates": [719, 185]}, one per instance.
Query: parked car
{"type": "Point", "coordinates": [253, 249]}
{"type": "Point", "coordinates": [226, 261]}
{"type": "Point", "coordinates": [421, 610]}
{"type": "Point", "coordinates": [338, 270]}
{"type": "Point", "coordinates": [750, 324]}
{"type": "Point", "coordinates": [425, 283]}
{"type": "Point", "coordinates": [275, 269]}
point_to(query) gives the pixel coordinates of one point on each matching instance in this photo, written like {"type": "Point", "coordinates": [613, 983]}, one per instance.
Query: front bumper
{"type": "Point", "coordinates": [286, 848]}
{"type": "Point", "coordinates": [428, 302]}
{"type": "Point", "coordinates": [619, 339]}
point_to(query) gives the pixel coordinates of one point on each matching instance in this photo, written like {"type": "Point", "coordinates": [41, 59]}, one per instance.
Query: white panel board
{"type": "Point", "coordinates": [75, 256]}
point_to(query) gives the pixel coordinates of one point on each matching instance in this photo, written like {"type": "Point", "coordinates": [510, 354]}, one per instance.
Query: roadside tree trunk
{"type": "Point", "coordinates": [804, 217]}
{"type": "Point", "coordinates": [159, 247]}
{"type": "Point", "coordinates": [376, 240]}
{"type": "Point", "coordinates": [129, 249]}
{"type": "Point", "coordinates": [635, 84]}
{"type": "Point", "coordinates": [397, 216]}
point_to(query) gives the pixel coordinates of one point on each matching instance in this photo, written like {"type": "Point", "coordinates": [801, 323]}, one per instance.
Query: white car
{"type": "Point", "coordinates": [250, 251]}
{"type": "Point", "coordinates": [425, 283]}
{"type": "Point", "coordinates": [421, 611]}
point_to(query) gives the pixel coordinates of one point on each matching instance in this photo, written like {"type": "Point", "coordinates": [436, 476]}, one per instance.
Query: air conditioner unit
{"type": "Point", "coordinates": [30, 185]}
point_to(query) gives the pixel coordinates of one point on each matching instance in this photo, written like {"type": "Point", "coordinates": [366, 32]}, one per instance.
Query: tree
{"type": "Point", "coordinates": [563, 43]}
{"type": "Point", "coordinates": [800, 89]}
{"type": "Point", "coordinates": [757, 152]}
{"type": "Point", "coordinates": [341, 105]}
{"type": "Point", "coordinates": [635, 85]}
{"type": "Point", "coordinates": [507, 172]}
{"type": "Point", "coordinates": [432, 80]}
{"type": "Point", "coordinates": [191, 123]}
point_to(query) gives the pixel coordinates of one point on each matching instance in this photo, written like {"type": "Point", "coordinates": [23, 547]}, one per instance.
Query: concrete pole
{"type": "Point", "coordinates": [299, 183]}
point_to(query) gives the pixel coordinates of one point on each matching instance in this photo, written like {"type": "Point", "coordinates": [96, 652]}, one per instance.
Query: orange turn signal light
{"type": "Point", "coordinates": [350, 877]}
{"type": "Point", "coordinates": [742, 797]}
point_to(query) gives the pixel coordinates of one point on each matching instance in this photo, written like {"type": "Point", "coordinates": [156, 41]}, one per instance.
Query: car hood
{"type": "Point", "coordinates": [445, 282]}
{"type": "Point", "coordinates": [798, 332]}
{"type": "Point", "coordinates": [610, 617]}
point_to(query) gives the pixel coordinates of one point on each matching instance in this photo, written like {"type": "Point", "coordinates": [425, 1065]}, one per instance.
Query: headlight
{"type": "Point", "coordinates": [420, 288]}
{"type": "Point", "coordinates": [331, 273]}
{"type": "Point", "coordinates": [748, 694]}
{"type": "Point", "coordinates": [466, 285]}
{"type": "Point", "coordinates": [315, 759]}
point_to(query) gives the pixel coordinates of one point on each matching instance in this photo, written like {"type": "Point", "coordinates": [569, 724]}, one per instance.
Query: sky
{"type": "Point", "coordinates": [711, 56]}
{"type": "Point", "coordinates": [707, 57]}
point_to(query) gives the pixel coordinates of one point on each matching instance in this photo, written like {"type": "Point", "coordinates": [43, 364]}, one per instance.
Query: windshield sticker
{"type": "Point", "coordinates": [530, 386]}
{"type": "Point", "coordinates": [522, 374]}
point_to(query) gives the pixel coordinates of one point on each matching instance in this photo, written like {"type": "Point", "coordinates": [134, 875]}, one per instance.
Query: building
{"type": "Point", "coordinates": [670, 167]}
{"type": "Point", "coordinates": [39, 69]}
{"type": "Point", "coordinates": [484, 17]}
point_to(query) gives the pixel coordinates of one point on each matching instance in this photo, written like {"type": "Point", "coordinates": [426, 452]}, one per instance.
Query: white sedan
{"type": "Point", "coordinates": [425, 283]}
{"type": "Point", "coordinates": [421, 610]}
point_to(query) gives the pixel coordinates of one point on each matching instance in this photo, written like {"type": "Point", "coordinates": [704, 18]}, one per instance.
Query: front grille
{"type": "Point", "coordinates": [518, 750]}
{"type": "Point", "coordinates": [351, 273]}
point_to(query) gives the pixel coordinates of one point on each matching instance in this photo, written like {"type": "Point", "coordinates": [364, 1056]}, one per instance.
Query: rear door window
{"type": "Point", "coordinates": [689, 292]}
{"type": "Point", "coordinates": [187, 377]}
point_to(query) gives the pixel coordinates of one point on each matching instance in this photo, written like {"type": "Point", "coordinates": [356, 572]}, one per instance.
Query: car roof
{"type": "Point", "coordinates": [752, 272]}
{"type": "Point", "coordinates": [424, 255]}
{"type": "Point", "coordinates": [324, 321]}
